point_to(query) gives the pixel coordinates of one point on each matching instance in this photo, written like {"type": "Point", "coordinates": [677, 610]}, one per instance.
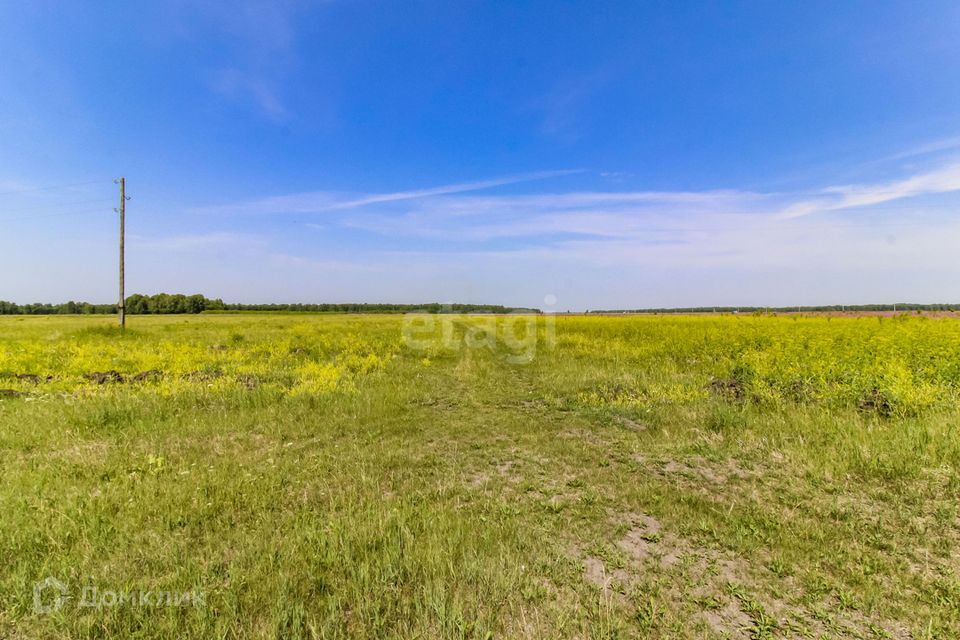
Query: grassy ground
{"type": "Point", "coordinates": [364, 477]}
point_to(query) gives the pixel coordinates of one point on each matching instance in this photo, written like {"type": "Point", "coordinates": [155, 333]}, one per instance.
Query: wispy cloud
{"type": "Point", "coordinates": [435, 211]}
{"type": "Point", "coordinates": [728, 228]}
{"type": "Point", "coordinates": [484, 236]}
{"type": "Point", "coordinates": [452, 188]}
{"type": "Point", "coordinates": [942, 180]}
{"type": "Point", "coordinates": [286, 260]}
{"type": "Point", "coordinates": [949, 143]}
{"type": "Point", "coordinates": [325, 201]}
{"type": "Point", "coordinates": [237, 84]}
{"type": "Point", "coordinates": [262, 38]}
{"type": "Point", "coordinates": [454, 212]}
{"type": "Point", "coordinates": [565, 103]}
{"type": "Point", "coordinates": [194, 242]}
{"type": "Point", "coordinates": [638, 215]}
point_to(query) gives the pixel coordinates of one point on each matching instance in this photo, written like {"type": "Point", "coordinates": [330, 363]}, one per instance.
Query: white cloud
{"type": "Point", "coordinates": [193, 242]}
{"type": "Point", "coordinates": [642, 215]}
{"type": "Point", "coordinates": [325, 201]}
{"type": "Point", "coordinates": [941, 180]}
{"type": "Point", "coordinates": [452, 213]}
{"type": "Point", "coordinates": [262, 39]}
{"type": "Point", "coordinates": [684, 247]}
{"type": "Point", "coordinates": [448, 189]}
{"type": "Point", "coordinates": [236, 84]}
{"type": "Point", "coordinates": [285, 260]}
{"type": "Point", "coordinates": [950, 143]}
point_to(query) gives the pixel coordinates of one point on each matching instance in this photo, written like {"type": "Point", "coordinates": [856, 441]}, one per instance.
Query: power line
{"type": "Point", "coordinates": [52, 205]}
{"type": "Point", "coordinates": [53, 215]}
{"type": "Point", "coordinates": [52, 187]}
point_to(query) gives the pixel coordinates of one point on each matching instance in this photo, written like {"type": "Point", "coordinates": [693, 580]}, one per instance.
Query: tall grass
{"type": "Point", "coordinates": [318, 476]}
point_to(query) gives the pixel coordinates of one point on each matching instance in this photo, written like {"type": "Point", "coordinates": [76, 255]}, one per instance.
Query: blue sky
{"type": "Point", "coordinates": [609, 154]}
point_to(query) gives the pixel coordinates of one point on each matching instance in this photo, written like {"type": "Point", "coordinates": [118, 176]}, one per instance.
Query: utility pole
{"type": "Point", "coordinates": [123, 206]}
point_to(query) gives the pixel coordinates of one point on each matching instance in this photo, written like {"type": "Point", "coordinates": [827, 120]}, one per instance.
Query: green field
{"type": "Point", "coordinates": [285, 476]}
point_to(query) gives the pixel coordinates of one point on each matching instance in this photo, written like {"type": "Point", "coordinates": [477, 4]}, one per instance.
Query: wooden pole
{"type": "Point", "coordinates": [121, 304]}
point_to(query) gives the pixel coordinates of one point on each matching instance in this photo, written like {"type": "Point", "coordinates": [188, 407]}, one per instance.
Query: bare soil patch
{"type": "Point", "coordinates": [730, 595]}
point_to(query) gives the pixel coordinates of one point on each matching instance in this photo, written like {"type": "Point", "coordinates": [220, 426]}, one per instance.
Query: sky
{"type": "Point", "coordinates": [560, 155]}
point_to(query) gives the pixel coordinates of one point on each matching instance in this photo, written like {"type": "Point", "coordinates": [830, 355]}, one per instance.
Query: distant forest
{"type": "Point", "coordinates": [906, 306]}
{"type": "Point", "coordinates": [172, 303]}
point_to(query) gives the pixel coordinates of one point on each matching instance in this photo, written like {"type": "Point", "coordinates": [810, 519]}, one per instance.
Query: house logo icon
{"type": "Point", "coordinates": [49, 595]}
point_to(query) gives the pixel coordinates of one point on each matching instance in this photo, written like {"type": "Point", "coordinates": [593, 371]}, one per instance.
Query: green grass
{"type": "Point", "coordinates": [317, 476]}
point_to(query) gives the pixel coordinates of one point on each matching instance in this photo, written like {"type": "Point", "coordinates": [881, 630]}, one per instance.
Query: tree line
{"type": "Point", "coordinates": [178, 303]}
{"type": "Point", "coordinates": [906, 306]}
{"type": "Point", "coordinates": [44, 309]}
